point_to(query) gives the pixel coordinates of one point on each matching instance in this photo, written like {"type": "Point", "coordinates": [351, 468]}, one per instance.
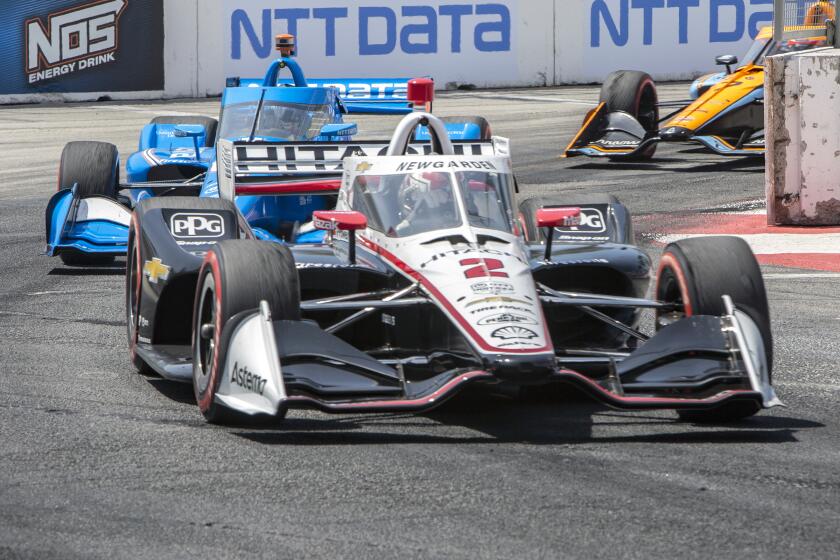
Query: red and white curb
{"type": "Point", "coordinates": [811, 248]}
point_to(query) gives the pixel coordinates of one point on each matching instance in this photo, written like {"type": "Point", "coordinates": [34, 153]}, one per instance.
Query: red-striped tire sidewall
{"type": "Point", "coordinates": [670, 261]}
{"type": "Point", "coordinates": [210, 266]}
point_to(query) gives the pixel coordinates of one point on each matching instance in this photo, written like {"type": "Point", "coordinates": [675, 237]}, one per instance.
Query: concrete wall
{"type": "Point", "coordinates": [802, 111]}
{"type": "Point", "coordinates": [551, 41]}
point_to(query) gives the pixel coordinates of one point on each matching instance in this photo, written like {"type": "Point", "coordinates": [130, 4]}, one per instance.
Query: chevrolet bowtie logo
{"type": "Point", "coordinates": [156, 270]}
{"type": "Point", "coordinates": [364, 166]}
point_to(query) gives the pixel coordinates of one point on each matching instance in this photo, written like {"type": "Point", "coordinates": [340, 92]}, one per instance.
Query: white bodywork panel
{"type": "Point", "coordinates": [252, 381]}
{"type": "Point", "coordinates": [98, 208]}
{"type": "Point", "coordinates": [486, 289]}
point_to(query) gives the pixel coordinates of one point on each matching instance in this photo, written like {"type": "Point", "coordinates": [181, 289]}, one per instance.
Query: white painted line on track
{"type": "Point", "coordinates": [795, 275]}
{"type": "Point", "coordinates": [519, 97]}
{"type": "Point", "coordinates": [776, 243]}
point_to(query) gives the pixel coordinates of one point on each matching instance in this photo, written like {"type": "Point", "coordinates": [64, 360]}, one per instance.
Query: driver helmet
{"type": "Point", "coordinates": [430, 187]}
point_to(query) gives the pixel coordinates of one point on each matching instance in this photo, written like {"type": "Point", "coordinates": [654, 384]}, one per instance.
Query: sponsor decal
{"type": "Point", "coordinates": [322, 156]}
{"type": "Point", "coordinates": [400, 30]}
{"type": "Point", "coordinates": [155, 270]}
{"type": "Point", "coordinates": [490, 308]}
{"type": "Point", "coordinates": [144, 340]}
{"type": "Point", "coordinates": [514, 333]}
{"type": "Point", "coordinates": [507, 318]}
{"type": "Point", "coordinates": [186, 225]}
{"type": "Point", "coordinates": [591, 221]}
{"type": "Point", "coordinates": [364, 166]}
{"type": "Point", "coordinates": [71, 40]}
{"type": "Point", "coordinates": [246, 379]}
{"type": "Point", "coordinates": [420, 165]}
{"type": "Point", "coordinates": [617, 143]}
{"type": "Point", "coordinates": [720, 21]}
{"type": "Point", "coordinates": [497, 299]}
{"type": "Point", "coordinates": [142, 322]}
{"type": "Point", "coordinates": [471, 251]}
{"type": "Point", "coordinates": [484, 268]}
{"type": "Point", "coordinates": [389, 319]}
{"type": "Point", "coordinates": [494, 288]}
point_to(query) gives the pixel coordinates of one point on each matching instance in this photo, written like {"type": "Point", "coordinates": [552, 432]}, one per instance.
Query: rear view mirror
{"type": "Point", "coordinates": [332, 220]}
{"type": "Point", "coordinates": [193, 131]}
{"type": "Point", "coordinates": [556, 218]}
{"type": "Point", "coordinates": [727, 60]}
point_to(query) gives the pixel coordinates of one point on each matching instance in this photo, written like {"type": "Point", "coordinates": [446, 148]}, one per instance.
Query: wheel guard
{"type": "Point", "coordinates": [95, 225]}
{"type": "Point", "coordinates": [603, 134]}
{"type": "Point", "coordinates": [700, 362]}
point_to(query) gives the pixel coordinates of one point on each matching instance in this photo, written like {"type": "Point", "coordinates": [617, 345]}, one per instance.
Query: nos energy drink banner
{"type": "Point", "coordinates": [68, 46]}
{"type": "Point", "coordinates": [465, 41]}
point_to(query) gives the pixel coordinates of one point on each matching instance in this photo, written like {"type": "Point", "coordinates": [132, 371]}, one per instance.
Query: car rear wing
{"type": "Point", "coordinates": [248, 168]}
{"type": "Point", "coordinates": [374, 96]}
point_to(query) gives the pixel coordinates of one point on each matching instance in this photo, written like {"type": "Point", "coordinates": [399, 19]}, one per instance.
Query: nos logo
{"type": "Point", "coordinates": [71, 35]}
{"type": "Point", "coordinates": [191, 225]}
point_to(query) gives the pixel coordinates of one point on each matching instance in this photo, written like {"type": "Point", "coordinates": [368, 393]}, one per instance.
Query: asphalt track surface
{"type": "Point", "coordinates": [97, 461]}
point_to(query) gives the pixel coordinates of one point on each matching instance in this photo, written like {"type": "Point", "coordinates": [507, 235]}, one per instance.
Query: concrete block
{"type": "Point", "coordinates": [802, 115]}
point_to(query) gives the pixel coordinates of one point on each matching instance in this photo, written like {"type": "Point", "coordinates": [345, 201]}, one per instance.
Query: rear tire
{"type": "Point", "coordinates": [235, 277]}
{"type": "Point", "coordinates": [210, 125]}
{"type": "Point", "coordinates": [633, 92]}
{"type": "Point", "coordinates": [696, 274]}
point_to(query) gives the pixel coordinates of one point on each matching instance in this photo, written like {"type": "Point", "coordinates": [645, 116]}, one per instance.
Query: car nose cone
{"type": "Point", "coordinates": [675, 134]}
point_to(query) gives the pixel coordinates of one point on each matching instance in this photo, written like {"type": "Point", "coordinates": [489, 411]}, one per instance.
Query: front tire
{"type": "Point", "coordinates": [695, 274]}
{"type": "Point", "coordinates": [94, 168]}
{"type": "Point", "coordinates": [633, 92]}
{"type": "Point", "coordinates": [235, 277]}
{"type": "Point", "coordinates": [133, 294]}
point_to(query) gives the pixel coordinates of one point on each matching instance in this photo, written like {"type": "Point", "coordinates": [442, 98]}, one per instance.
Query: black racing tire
{"type": "Point", "coordinates": [633, 92]}
{"type": "Point", "coordinates": [481, 122]}
{"type": "Point", "coordinates": [211, 125]}
{"type": "Point", "coordinates": [133, 295]}
{"type": "Point", "coordinates": [528, 211]}
{"type": "Point", "coordinates": [235, 277]}
{"type": "Point", "coordinates": [93, 166]}
{"type": "Point", "coordinates": [695, 274]}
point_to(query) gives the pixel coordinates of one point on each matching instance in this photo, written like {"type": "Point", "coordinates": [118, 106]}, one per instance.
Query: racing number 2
{"type": "Point", "coordinates": [484, 268]}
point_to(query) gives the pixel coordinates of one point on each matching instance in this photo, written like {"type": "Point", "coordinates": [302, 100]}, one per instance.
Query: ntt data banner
{"type": "Point", "coordinates": [464, 41]}
{"type": "Point", "coordinates": [71, 46]}
{"type": "Point", "coordinates": [667, 38]}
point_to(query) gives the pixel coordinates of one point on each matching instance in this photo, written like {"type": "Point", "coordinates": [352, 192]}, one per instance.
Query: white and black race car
{"type": "Point", "coordinates": [429, 281]}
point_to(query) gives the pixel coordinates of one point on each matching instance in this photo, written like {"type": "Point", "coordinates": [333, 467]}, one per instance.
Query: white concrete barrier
{"type": "Point", "coordinates": [485, 43]}
{"type": "Point", "coordinates": [802, 113]}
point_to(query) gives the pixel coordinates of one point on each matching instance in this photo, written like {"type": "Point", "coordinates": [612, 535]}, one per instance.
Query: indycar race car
{"type": "Point", "coordinates": [87, 220]}
{"type": "Point", "coordinates": [430, 281]}
{"type": "Point", "coordinates": [725, 112]}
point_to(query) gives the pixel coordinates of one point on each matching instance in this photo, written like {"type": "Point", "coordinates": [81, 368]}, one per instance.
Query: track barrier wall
{"type": "Point", "coordinates": [186, 48]}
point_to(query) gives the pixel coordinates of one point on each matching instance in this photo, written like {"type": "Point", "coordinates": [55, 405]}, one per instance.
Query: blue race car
{"type": "Point", "coordinates": [87, 220]}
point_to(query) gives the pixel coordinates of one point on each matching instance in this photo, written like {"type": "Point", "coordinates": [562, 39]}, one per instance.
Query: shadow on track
{"type": "Point", "coordinates": [726, 164]}
{"type": "Point", "coordinates": [569, 419]}
{"type": "Point", "coordinates": [88, 271]}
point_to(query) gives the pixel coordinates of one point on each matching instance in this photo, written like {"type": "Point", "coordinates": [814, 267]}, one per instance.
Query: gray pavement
{"type": "Point", "coordinates": [97, 461]}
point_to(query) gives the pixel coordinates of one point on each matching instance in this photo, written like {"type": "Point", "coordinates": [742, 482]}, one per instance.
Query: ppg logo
{"type": "Point", "coordinates": [72, 40]}
{"type": "Point", "coordinates": [191, 225]}
{"type": "Point", "coordinates": [591, 221]}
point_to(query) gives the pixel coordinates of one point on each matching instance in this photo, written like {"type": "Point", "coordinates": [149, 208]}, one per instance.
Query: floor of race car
{"type": "Point", "coordinates": [97, 461]}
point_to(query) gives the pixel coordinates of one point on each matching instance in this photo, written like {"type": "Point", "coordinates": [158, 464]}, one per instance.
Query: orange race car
{"type": "Point", "coordinates": [725, 112]}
